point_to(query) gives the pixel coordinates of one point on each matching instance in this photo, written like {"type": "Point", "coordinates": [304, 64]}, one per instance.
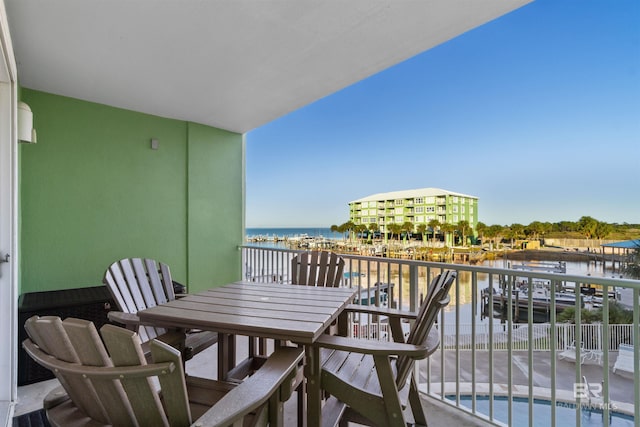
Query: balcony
{"type": "Point", "coordinates": [512, 370]}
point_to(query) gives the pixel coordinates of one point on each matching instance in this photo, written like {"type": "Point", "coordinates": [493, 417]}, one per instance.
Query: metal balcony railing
{"type": "Point", "coordinates": [503, 350]}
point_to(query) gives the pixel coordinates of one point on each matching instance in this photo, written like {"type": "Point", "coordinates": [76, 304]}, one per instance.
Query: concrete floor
{"type": "Point", "coordinates": [30, 397]}
{"type": "Point", "coordinates": [621, 389]}
{"type": "Point", "coordinates": [439, 414]}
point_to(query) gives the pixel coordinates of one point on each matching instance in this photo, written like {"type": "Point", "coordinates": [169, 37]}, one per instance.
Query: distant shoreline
{"type": "Point", "coordinates": [576, 253]}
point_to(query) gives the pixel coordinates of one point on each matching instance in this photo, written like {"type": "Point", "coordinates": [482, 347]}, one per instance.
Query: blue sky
{"type": "Point", "coordinates": [536, 113]}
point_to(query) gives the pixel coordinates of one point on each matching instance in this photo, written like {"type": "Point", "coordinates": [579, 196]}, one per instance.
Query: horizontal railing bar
{"type": "Point", "coordinates": [618, 282]}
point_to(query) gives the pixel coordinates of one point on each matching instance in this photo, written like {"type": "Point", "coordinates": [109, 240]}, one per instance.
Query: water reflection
{"type": "Point", "coordinates": [463, 307]}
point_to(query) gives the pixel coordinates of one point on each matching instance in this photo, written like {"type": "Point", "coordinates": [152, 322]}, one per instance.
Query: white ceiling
{"type": "Point", "coordinates": [232, 64]}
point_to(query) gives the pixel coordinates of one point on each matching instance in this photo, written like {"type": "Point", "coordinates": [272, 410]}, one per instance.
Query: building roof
{"type": "Point", "coordinates": [626, 244]}
{"type": "Point", "coordinates": [231, 64]}
{"type": "Point", "coordinates": [408, 194]}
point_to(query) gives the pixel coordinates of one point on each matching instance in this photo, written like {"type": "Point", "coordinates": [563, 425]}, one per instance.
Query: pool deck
{"type": "Point", "coordinates": [621, 391]}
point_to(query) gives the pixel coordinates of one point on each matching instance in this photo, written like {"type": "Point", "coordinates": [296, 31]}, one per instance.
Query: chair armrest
{"type": "Point", "coordinates": [380, 311]}
{"type": "Point", "coordinates": [95, 372]}
{"type": "Point", "coordinates": [377, 348]}
{"type": "Point", "coordinates": [130, 320]}
{"type": "Point", "coordinates": [278, 371]}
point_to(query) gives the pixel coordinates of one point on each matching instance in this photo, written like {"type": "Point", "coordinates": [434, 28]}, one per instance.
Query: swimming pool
{"type": "Point", "coordinates": [565, 412]}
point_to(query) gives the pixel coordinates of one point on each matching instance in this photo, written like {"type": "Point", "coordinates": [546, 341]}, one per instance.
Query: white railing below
{"type": "Point", "coordinates": [519, 339]}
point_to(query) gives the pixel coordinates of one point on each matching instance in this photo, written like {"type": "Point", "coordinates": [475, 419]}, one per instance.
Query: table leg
{"type": "Point", "coordinates": [343, 324]}
{"type": "Point", "coordinates": [226, 354]}
{"type": "Point", "coordinates": [253, 346]}
{"type": "Point", "coordinates": [314, 392]}
{"type": "Point", "coordinates": [302, 403]}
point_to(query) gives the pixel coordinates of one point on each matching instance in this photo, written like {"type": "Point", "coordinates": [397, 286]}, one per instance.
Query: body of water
{"type": "Point", "coordinates": [565, 413]}
{"type": "Point", "coordinates": [293, 232]}
{"type": "Point", "coordinates": [364, 277]}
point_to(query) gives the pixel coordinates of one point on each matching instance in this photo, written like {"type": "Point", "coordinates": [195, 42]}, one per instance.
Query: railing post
{"type": "Point", "coordinates": [414, 299]}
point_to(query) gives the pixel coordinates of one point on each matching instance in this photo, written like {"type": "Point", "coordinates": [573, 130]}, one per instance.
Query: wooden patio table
{"type": "Point", "coordinates": [299, 314]}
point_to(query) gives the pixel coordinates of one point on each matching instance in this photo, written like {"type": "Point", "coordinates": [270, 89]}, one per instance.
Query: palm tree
{"type": "Point", "coordinates": [464, 228]}
{"type": "Point", "coordinates": [602, 230]}
{"type": "Point", "coordinates": [434, 225]}
{"type": "Point", "coordinates": [535, 229]}
{"type": "Point", "coordinates": [360, 230]}
{"type": "Point", "coordinates": [480, 228]}
{"type": "Point", "coordinates": [547, 227]}
{"type": "Point", "coordinates": [515, 232]}
{"type": "Point", "coordinates": [407, 227]}
{"type": "Point", "coordinates": [447, 229]}
{"type": "Point", "coordinates": [339, 229]}
{"type": "Point", "coordinates": [422, 229]}
{"type": "Point", "coordinates": [587, 226]}
{"type": "Point", "coordinates": [373, 228]}
{"type": "Point", "coordinates": [349, 226]}
{"type": "Point", "coordinates": [394, 229]}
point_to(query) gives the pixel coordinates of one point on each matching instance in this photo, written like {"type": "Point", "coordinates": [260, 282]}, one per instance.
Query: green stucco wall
{"type": "Point", "coordinates": [216, 210]}
{"type": "Point", "coordinates": [93, 191]}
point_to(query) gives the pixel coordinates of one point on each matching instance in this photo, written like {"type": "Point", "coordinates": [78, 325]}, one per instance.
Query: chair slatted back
{"type": "Point", "coordinates": [116, 390]}
{"type": "Point", "coordinates": [136, 284]}
{"type": "Point", "coordinates": [49, 334]}
{"type": "Point", "coordinates": [437, 297]}
{"type": "Point", "coordinates": [317, 268]}
{"type": "Point", "coordinates": [125, 349]}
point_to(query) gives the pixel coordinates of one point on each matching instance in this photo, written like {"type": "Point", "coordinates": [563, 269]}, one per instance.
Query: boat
{"type": "Point", "coordinates": [540, 301]}
{"type": "Point", "coordinates": [541, 294]}
{"type": "Point", "coordinates": [533, 293]}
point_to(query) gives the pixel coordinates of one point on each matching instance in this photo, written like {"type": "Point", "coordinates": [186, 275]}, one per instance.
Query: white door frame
{"type": "Point", "coordinates": [8, 223]}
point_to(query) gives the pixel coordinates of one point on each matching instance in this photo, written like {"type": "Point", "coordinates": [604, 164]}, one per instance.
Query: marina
{"type": "Point", "coordinates": [539, 295]}
{"type": "Point", "coordinates": [549, 258]}
{"type": "Point", "coordinates": [463, 308]}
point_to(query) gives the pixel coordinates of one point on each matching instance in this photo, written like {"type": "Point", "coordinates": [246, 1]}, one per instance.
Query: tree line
{"type": "Point", "coordinates": [462, 230]}
{"type": "Point", "coordinates": [586, 227]}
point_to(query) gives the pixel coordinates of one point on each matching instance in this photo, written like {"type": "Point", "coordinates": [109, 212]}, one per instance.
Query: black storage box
{"type": "Point", "coordinates": [84, 303]}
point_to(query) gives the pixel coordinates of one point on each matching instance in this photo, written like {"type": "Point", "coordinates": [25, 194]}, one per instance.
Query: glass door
{"type": "Point", "coordinates": [8, 222]}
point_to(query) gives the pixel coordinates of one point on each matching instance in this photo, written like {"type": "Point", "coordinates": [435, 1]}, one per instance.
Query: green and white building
{"type": "Point", "coordinates": [416, 206]}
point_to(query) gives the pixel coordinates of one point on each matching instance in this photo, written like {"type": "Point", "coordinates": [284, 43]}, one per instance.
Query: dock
{"type": "Point", "coordinates": [541, 266]}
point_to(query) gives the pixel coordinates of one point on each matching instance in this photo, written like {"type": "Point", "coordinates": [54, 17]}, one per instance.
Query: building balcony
{"type": "Point", "coordinates": [504, 358]}
{"type": "Point", "coordinates": [488, 370]}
